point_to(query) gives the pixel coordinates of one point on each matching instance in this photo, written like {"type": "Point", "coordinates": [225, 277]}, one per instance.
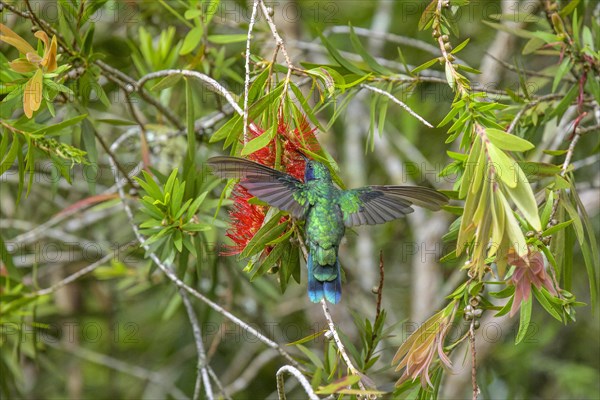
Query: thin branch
{"type": "Point", "coordinates": [219, 385]}
{"type": "Point", "coordinates": [473, 360]}
{"type": "Point", "coordinates": [339, 344]}
{"type": "Point", "coordinates": [213, 84]}
{"type": "Point", "coordinates": [279, 42]}
{"type": "Point", "coordinates": [582, 130]}
{"type": "Point", "coordinates": [202, 365]}
{"type": "Point", "coordinates": [397, 101]}
{"type": "Point", "coordinates": [380, 287]}
{"type": "Point", "coordinates": [247, 68]}
{"type": "Point", "coordinates": [298, 375]}
{"type": "Point", "coordinates": [563, 172]}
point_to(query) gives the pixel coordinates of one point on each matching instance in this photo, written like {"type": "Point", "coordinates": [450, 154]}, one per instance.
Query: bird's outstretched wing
{"type": "Point", "coordinates": [372, 205]}
{"type": "Point", "coordinates": [276, 188]}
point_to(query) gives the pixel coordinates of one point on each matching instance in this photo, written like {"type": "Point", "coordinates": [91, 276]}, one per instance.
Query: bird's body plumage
{"type": "Point", "coordinates": [326, 209]}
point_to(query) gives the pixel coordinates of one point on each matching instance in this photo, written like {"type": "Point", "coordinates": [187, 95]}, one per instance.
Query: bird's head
{"type": "Point", "coordinates": [314, 170]}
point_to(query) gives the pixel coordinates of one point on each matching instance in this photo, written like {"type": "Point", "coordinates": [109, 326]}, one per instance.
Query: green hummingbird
{"type": "Point", "coordinates": [326, 209]}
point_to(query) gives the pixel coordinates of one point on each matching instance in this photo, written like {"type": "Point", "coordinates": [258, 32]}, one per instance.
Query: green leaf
{"type": "Point", "coordinates": [506, 308]}
{"type": "Point", "coordinates": [536, 170]}
{"type": "Point", "coordinates": [192, 13]}
{"type": "Point", "coordinates": [339, 385]}
{"type": "Point", "coordinates": [568, 8]}
{"type": "Point", "coordinates": [504, 166]}
{"type": "Point", "coordinates": [191, 41]}
{"type": "Point", "coordinates": [225, 39]}
{"type": "Point", "coordinates": [424, 66]}
{"type": "Point", "coordinates": [339, 58]}
{"type": "Point", "coordinates": [525, 319]}
{"type": "Point", "coordinates": [269, 231]}
{"type": "Point", "coordinates": [504, 293]}
{"type": "Point", "coordinates": [556, 228]}
{"type": "Point", "coordinates": [259, 142]}
{"type": "Point", "coordinates": [308, 110]}
{"type": "Point", "coordinates": [178, 240]}
{"type": "Point", "coordinates": [427, 15]}
{"type": "Point", "coordinates": [227, 129]}
{"type": "Point", "coordinates": [352, 80]}
{"type": "Point", "coordinates": [55, 129]}
{"type": "Point", "coordinates": [469, 69]}
{"type": "Point", "coordinates": [523, 197]}
{"type": "Point", "coordinates": [10, 157]}
{"type": "Point", "coordinates": [451, 114]}
{"type": "Point", "coordinates": [565, 66]}
{"type": "Point", "coordinates": [512, 227]}
{"type": "Point", "coordinates": [506, 141]}
{"type": "Point", "coordinates": [149, 185]}
{"type": "Point", "coordinates": [166, 82]}
{"type": "Point", "coordinates": [311, 356]}
{"type": "Point", "coordinates": [470, 167]}
{"type": "Point", "coordinates": [258, 86]}
{"type": "Point", "coordinates": [566, 101]}
{"type": "Point", "coordinates": [556, 152]}
{"type": "Point", "coordinates": [532, 45]}
{"type": "Point", "coordinates": [7, 260]}
{"type": "Point", "coordinates": [589, 248]}
{"type": "Point", "coordinates": [195, 205]}
{"type": "Point", "coordinates": [169, 185]}
{"type": "Point", "coordinates": [273, 257]}
{"type": "Point", "coordinates": [308, 338]}
{"type": "Point", "coordinates": [86, 48]}
{"type": "Point", "coordinates": [371, 62]}
{"type": "Point", "coordinates": [449, 70]}
{"type": "Point", "coordinates": [460, 46]}
{"type": "Point", "coordinates": [548, 306]}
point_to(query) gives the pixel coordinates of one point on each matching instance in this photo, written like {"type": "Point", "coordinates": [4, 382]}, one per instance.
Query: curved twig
{"type": "Point", "coordinates": [298, 375]}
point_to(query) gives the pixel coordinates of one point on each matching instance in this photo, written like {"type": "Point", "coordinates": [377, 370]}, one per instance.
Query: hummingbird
{"type": "Point", "coordinates": [326, 209]}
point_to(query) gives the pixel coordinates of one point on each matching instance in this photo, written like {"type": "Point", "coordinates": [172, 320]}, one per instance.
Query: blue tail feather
{"type": "Point", "coordinates": [331, 288]}
{"type": "Point", "coordinates": [315, 287]}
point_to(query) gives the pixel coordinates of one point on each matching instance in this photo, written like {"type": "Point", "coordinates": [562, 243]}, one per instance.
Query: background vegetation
{"type": "Point", "coordinates": [111, 108]}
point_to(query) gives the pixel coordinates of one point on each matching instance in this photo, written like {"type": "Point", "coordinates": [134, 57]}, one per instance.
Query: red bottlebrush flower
{"type": "Point", "coordinates": [246, 218]}
{"type": "Point", "coordinates": [303, 137]}
{"type": "Point", "coordinates": [529, 271]}
{"type": "Point", "coordinates": [418, 352]}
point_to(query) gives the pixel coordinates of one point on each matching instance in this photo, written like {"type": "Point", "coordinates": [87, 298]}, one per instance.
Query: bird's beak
{"type": "Point", "coordinates": [302, 155]}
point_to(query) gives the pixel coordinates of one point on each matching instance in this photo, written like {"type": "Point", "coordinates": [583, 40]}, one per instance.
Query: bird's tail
{"type": "Point", "coordinates": [324, 281]}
